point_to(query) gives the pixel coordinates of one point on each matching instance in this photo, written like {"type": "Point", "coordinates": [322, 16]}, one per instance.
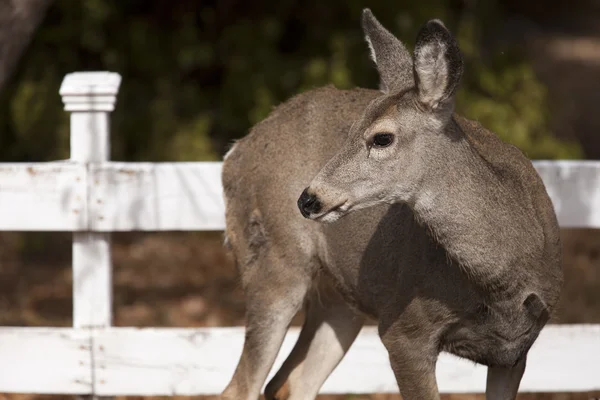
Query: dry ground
{"type": "Point", "coordinates": [187, 280]}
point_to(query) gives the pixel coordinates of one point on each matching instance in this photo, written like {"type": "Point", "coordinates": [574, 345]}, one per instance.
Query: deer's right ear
{"type": "Point", "coordinates": [394, 62]}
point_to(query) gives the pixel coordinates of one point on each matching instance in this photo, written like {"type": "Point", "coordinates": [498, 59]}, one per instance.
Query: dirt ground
{"type": "Point", "coordinates": [187, 280]}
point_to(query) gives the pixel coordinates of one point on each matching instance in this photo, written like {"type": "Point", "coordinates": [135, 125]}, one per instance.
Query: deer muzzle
{"type": "Point", "coordinates": [308, 204]}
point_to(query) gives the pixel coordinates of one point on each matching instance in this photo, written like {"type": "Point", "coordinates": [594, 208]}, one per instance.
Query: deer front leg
{"type": "Point", "coordinates": [415, 376]}
{"type": "Point", "coordinates": [503, 382]}
{"type": "Point", "coordinates": [413, 361]}
{"type": "Point", "coordinates": [329, 330]}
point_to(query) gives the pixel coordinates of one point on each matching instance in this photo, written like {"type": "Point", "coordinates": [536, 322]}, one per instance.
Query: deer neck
{"type": "Point", "coordinates": [484, 222]}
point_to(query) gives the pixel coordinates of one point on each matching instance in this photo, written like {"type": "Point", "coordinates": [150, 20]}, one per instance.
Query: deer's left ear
{"type": "Point", "coordinates": [438, 65]}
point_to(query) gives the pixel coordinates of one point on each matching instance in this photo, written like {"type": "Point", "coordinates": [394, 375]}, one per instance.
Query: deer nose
{"type": "Point", "coordinates": [308, 204]}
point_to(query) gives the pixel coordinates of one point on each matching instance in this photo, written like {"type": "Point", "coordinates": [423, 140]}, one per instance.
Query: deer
{"type": "Point", "coordinates": [386, 205]}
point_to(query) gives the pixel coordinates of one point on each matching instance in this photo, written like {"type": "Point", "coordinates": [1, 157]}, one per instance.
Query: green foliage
{"type": "Point", "coordinates": [197, 75]}
{"type": "Point", "coordinates": [512, 103]}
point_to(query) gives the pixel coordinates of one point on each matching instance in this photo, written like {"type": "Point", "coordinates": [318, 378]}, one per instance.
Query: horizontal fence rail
{"type": "Point", "coordinates": [119, 196]}
{"type": "Point", "coordinates": [154, 362]}
{"type": "Point", "coordinates": [92, 196]}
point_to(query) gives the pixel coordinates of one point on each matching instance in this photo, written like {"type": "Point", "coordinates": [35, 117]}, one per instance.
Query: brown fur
{"type": "Point", "coordinates": [446, 237]}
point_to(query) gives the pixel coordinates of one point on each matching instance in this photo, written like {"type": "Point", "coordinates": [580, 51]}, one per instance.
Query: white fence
{"type": "Point", "coordinates": [92, 196]}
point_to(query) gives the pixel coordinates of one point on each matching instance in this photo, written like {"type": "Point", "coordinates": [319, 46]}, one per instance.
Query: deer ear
{"type": "Point", "coordinates": [394, 62]}
{"type": "Point", "coordinates": [438, 65]}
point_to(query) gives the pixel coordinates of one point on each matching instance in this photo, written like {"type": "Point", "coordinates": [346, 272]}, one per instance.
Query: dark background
{"type": "Point", "coordinates": [198, 74]}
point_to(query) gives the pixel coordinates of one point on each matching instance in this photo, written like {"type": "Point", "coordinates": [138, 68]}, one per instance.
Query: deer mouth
{"type": "Point", "coordinates": [332, 214]}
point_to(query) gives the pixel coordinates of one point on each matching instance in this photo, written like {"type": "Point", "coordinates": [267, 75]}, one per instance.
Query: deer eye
{"type": "Point", "coordinates": [383, 139]}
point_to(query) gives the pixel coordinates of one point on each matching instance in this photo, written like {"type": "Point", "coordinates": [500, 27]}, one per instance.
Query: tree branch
{"type": "Point", "coordinates": [19, 20]}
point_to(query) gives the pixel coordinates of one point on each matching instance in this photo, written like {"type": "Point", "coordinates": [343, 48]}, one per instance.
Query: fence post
{"type": "Point", "coordinates": [90, 97]}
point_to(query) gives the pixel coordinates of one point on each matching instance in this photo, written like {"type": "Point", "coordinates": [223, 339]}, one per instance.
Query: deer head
{"type": "Point", "coordinates": [404, 136]}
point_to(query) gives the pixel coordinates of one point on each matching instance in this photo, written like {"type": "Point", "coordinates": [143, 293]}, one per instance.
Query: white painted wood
{"type": "Point", "coordinates": [566, 355]}
{"type": "Point", "coordinates": [156, 197]}
{"type": "Point", "coordinates": [90, 141]}
{"type": "Point", "coordinates": [42, 196]}
{"type": "Point", "coordinates": [90, 96]}
{"type": "Point", "coordinates": [200, 361]}
{"type": "Point", "coordinates": [130, 361]}
{"type": "Point", "coordinates": [188, 196]}
{"type": "Point", "coordinates": [574, 187]}
{"type": "Point", "coordinates": [90, 91]}
{"type": "Point", "coordinates": [45, 360]}
{"type": "Point", "coordinates": [92, 280]}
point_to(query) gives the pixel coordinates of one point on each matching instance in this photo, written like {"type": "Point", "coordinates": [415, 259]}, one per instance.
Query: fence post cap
{"type": "Point", "coordinates": [90, 91]}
